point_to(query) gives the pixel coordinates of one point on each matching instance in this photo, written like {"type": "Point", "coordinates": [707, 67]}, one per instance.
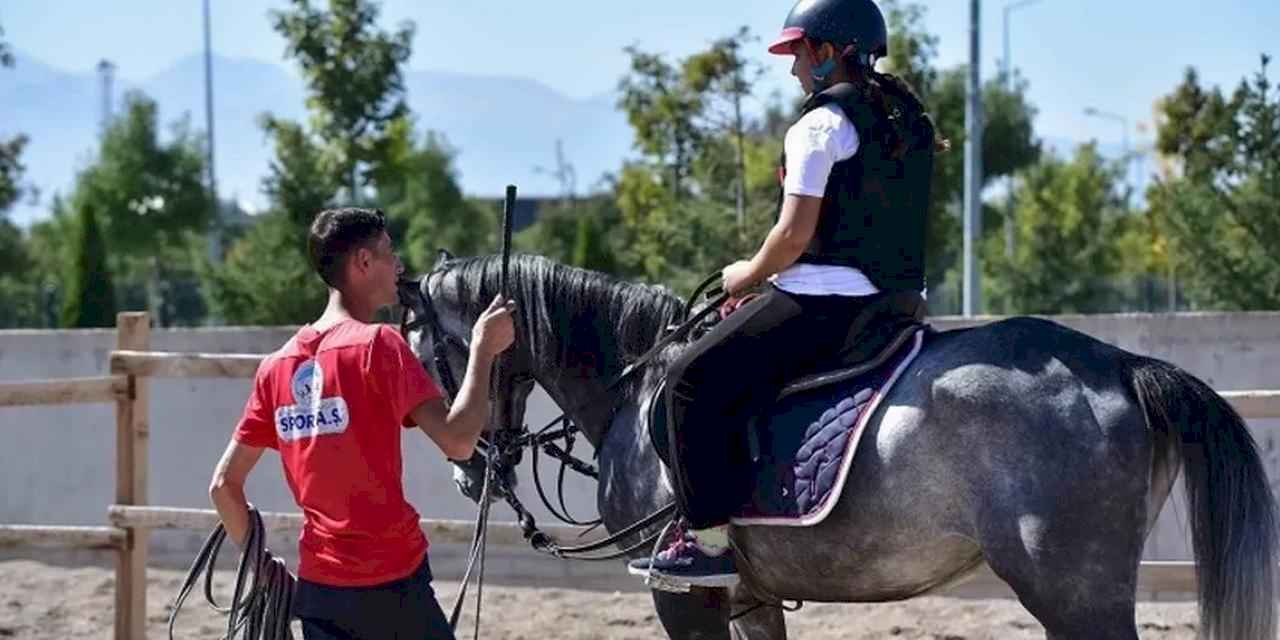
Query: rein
{"type": "Point", "coordinates": [505, 447]}
{"type": "Point", "coordinates": [262, 608]}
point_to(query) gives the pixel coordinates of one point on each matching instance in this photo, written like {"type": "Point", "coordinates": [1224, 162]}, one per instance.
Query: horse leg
{"type": "Point", "coordinates": [1073, 596]}
{"type": "Point", "coordinates": [756, 620]}
{"type": "Point", "coordinates": [1076, 572]}
{"type": "Point", "coordinates": [700, 614]}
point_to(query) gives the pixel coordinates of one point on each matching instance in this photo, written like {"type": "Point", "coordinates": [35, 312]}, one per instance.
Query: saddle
{"type": "Point", "coordinates": [883, 328]}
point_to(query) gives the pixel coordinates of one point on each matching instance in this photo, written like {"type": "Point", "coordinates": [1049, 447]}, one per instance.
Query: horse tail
{"type": "Point", "coordinates": [1229, 500]}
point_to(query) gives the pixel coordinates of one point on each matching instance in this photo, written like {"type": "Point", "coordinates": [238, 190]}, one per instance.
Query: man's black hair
{"type": "Point", "coordinates": [336, 233]}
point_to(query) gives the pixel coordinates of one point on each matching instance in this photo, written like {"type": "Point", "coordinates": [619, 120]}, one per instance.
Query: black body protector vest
{"type": "Point", "coordinates": [876, 203]}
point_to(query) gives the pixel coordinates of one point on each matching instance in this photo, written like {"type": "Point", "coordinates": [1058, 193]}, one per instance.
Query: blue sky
{"type": "Point", "coordinates": [1116, 55]}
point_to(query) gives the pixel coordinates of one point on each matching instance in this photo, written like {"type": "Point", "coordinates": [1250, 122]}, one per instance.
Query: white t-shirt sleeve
{"type": "Point", "coordinates": [813, 146]}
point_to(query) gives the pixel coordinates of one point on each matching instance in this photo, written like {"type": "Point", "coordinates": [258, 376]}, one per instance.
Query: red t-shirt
{"type": "Point", "coordinates": [332, 403]}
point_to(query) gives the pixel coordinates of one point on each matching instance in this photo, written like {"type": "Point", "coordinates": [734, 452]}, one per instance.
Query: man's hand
{"type": "Point", "coordinates": [456, 428]}
{"type": "Point", "coordinates": [494, 330]}
{"type": "Point", "coordinates": [739, 278]}
{"type": "Point", "coordinates": [468, 476]}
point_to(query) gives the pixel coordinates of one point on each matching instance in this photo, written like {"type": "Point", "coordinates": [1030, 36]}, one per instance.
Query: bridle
{"type": "Point", "coordinates": [510, 443]}
{"type": "Point", "coordinates": [416, 296]}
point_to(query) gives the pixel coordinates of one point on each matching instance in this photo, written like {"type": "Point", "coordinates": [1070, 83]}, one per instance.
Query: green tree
{"type": "Point", "coordinates": [11, 167]}
{"type": "Point", "coordinates": [13, 249]}
{"type": "Point", "coordinates": [299, 182]}
{"type": "Point", "coordinates": [17, 291]}
{"type": "Point", "coordinates": [1009, 143]}
{"type": "Point", "coordinates": [662, 109]}
{"type": "Point", "coordinates": [1222, 205]}
{"type": "Point", "coordinates": [418, 187]}
{"type": "Point", "coordinates": [34, 266]}
{"type": "Point", "coordinates": [355, 102]}
{"type": "Point", "coordinates": [11, 170]}
{"type": "Point", "coordinates": [266, 278]}
{"type": "Point", "coordinates": [6, 56]}
{"type": "Point", "coordinates": [354, 79]}
{"type": "Point", "coordinates": [591, 246]}
{"type": "Point", "coordinates": [147, 192]}
{"type": "Point", "coordinates": [556, 232]}
{"type": "Point", "coordinates": [1068, 219]}
{"type": "Point", "coordinates": [723, 77]}
{"type": "Point", "coordinates": [149, 198]}
{"type": "Point", "coordinates": [90, 300]}
{"type": "Point", "coordinates": [681, 204]}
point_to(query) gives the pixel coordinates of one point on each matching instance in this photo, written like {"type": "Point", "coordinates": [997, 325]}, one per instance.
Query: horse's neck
{"type": "Point", "coordinates": [587, 403]}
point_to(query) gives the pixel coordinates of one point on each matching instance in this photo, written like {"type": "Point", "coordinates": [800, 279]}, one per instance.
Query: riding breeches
{"type": "Point", "coordinates": [732, 374]}
{"type": "Point", "coordinates": [402, 610]}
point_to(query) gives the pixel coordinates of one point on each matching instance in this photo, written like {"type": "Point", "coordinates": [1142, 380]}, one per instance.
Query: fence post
{"type": "Point", "coordinates": [133, 331]}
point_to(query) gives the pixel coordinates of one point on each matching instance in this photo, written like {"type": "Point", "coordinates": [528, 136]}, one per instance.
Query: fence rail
{"type": "Point", "coordinates": [1250, 404]}
{"type": "Point", "coordinates": [1254, 404]}
{"type": "Point", "coordinates": [162, 364]}
{"type": "Point", "coordinates": [131, 364]}
{"type": "Point", "coordinates": [438, 531]}
{"type": "Point", "coordinates": [50, 537]}
{"type": "Point", "coordinates": [65, 391]}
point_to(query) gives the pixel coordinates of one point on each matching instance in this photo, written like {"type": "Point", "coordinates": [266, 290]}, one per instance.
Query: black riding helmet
{"type": "Point", "coordinates": [844, 23]}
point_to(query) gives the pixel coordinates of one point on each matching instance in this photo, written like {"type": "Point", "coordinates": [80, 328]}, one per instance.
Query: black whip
{"type": "Point", "coordinates": [480, 539]}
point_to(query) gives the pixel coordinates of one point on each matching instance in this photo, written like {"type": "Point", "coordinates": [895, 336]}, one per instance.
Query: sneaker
{"type": "Point", "coordinates": [685, 562]}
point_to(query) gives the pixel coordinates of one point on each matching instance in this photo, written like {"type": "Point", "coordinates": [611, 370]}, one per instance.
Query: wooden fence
{"type": "Point", "coordinates": [132, 520]}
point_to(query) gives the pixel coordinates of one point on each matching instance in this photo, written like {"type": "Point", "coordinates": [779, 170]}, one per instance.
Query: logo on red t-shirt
{"type": "Point", "coordinates": [312, 414]}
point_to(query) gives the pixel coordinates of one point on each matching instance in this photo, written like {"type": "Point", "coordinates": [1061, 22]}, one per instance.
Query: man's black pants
{"type": "Point", "coordinates": [731, 374]}
{"type": "Point", "coordinates": [402, 610]}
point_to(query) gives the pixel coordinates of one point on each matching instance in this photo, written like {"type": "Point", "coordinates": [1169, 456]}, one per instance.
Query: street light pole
{"type": "Point", "coordinates": [1128, 169]}
{"type": "Point", "coordinates": [215, 225]}
{"type": "Point", "coordinates": [213, 247]}
{"type": "Point", "coordinates": [1008, 56]}
{"type": "Point", "coordinates": [1124, 132]}
{"type": "Point", "coordinates": [1010, 228]}
{"type": "Point", "coordinates": [973, 165]}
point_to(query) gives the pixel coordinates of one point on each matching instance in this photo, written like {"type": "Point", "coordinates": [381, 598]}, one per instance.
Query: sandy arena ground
{"type": "Point", "coordinates": [43, 602]}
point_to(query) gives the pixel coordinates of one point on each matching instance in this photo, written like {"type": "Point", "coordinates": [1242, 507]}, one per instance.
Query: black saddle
{"type": "Point", "coordinates": [887, 323]}
{"type": "Point", "coordinates": [884, 326]}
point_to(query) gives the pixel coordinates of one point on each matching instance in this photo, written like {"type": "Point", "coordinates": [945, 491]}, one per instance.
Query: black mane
{"type": "Point", "coordinates": [568, 317]}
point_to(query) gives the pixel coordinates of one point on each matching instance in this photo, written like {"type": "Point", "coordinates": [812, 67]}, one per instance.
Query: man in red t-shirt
{"type": "Point", "coordinates": [332, 402]}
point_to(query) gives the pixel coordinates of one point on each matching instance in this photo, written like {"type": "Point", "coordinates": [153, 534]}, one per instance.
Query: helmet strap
{"type": "Point", "coordinates": [821, 73]}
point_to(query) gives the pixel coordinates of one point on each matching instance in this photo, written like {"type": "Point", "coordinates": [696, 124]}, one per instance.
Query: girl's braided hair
{"type": "Point", "coordinates": [898, 105]}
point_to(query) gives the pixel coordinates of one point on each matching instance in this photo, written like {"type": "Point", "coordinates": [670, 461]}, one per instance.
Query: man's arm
{"type": "Point", "coordinates": [226, 489]}
{"type": "Point", "coordinates": [457, 429]}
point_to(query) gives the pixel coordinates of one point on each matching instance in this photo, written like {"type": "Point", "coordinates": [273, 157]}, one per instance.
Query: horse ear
{"type": "Point", "coordinates": [442, 256]}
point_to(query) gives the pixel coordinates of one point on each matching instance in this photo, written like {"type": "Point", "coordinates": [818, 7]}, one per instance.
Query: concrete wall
{"type": "Point", "coordinates": [57, 463]}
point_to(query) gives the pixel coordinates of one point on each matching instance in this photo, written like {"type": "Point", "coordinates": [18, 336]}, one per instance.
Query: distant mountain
{"type": "Point", "coordinates": [503, 128]}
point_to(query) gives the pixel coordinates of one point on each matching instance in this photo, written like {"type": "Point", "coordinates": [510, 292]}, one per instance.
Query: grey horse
{"type": "Point", "coordinates": [1023, 445]}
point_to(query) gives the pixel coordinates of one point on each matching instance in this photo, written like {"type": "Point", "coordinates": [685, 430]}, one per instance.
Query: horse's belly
{"type": "Point", "coordinates": [825, 564]}
{"type": "Point", "coordinates": [898, 528]}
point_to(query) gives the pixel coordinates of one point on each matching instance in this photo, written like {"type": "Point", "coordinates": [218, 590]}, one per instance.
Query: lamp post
{"type": "Point", "coordinates": [973, 166]}
{"type": "Point", "coordinates": [1124, 124]}
{"type": "Point", "coordinates": [1008, 56]}
{"type": "Point", "coordinates": [1128, 171]}
{"type": "Point", "coordinates": [214, 246]}
{"type": "Point", "coordinates": [1010, 229]}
